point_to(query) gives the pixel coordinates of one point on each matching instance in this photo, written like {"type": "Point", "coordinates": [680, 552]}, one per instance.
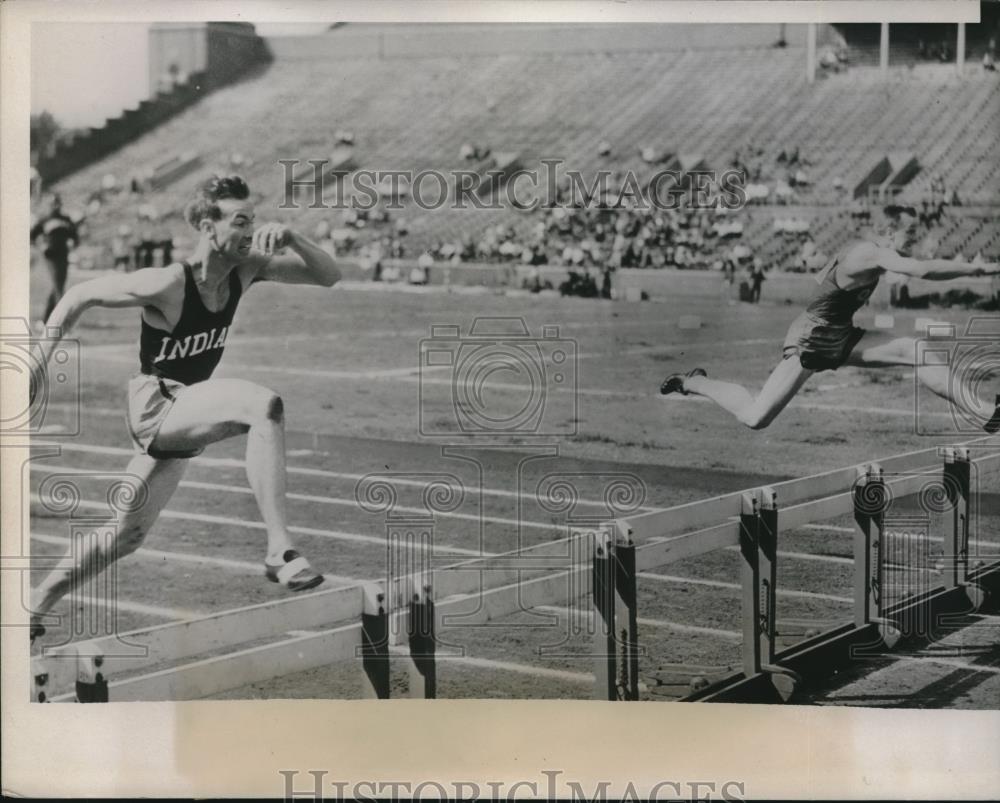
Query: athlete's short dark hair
{"type": "Point", "coordinates": [205, 201]}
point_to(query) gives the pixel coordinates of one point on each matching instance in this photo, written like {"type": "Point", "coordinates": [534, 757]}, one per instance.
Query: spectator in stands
{"type": "Point", "coordinates": [783, 192]}
{"type": "Point", "coordinates": [806, 255]}
{"type": "Point", "coordinates": [167, 248]}
{"type": "Point", "coordinates": [421, 272]}
{"type": "Point", "coordinates": [121, 247]}
{"type": "Point", "coordinates": [728, 272]}
{"type": "Point", "coordinates": [649, 154]}
{"type": "Point", "coordinates": [59, 236]}
{"type": "Point", "coordinates": [861, 209]}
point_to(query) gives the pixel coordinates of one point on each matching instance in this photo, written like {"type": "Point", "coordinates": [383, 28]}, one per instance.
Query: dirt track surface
{"type": "Point", "coordinates": [347, 364]}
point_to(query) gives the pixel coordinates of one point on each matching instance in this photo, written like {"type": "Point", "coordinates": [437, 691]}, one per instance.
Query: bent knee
{"type": "Point", "coordinates": [275, 409]}
{"type": "Point", "coordinates": [263, 407]}
{"type": "Point", "coordinates": [755, 420]}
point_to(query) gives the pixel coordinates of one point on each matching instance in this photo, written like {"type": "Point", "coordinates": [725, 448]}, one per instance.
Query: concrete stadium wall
{"type": "Point", "coordinates": [432, 41]}
{"type": "Point", "coordinates": [795, 288]}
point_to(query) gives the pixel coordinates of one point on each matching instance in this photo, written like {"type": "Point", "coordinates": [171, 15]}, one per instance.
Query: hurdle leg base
{"type": "Point", "coordinates": [888, 631]}
{"type": "Point", "coordinates": [976, 594]}
{"type": "Point", "coordinates": [785, 681]}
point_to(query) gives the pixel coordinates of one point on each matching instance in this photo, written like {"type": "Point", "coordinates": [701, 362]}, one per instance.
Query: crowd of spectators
{"type": "Point", "coordinates": [589, 237]}
{"type": "Point", "coordinates": [780, 178]}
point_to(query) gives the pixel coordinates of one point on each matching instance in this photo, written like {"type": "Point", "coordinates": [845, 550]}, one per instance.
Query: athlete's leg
{"type": "Point", "coordinates": [156, 481]}
{"type": "Point", "coordinates": [882, 349]}
{"type": "Point", "coordinates": [758, 411]}
{"type": "Point", "coordinates": [221, 408]}
{"type": "Point", "coordinates": [57, 277]}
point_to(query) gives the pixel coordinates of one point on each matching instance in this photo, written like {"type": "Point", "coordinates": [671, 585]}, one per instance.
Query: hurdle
{"type": "Point", "coordinates": [373, 622]}
{"type": "Point", "coordinates": [378, 622]}
{"type": "Point", "coordinates": [752, 526]}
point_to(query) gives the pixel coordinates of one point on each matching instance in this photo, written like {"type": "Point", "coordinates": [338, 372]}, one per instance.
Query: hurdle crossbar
{"type": "Point", "coordinates": [498, 584]}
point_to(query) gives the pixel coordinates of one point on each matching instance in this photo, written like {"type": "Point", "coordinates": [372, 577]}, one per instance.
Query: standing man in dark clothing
{"type": "Point", "coordinates": [756, 280]}
{"type": "Point", "coordinates": [57, 231]}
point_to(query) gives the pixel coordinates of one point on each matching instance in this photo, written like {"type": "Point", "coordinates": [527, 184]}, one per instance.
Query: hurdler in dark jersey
{"type": "Point", "coordinates": [176, 407]}
{"type": "Point", "coordinates": [824, 336]}
{"type": "Point", "coordinates": [834, 305]}
{"type": "Point", "coordinates": [191, 351]}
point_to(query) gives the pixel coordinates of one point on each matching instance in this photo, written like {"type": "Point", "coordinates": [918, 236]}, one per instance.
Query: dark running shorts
{"type": "Point", "coordinates": [821, 346]}
{"type": "Point", "coordinates": [149, 400]}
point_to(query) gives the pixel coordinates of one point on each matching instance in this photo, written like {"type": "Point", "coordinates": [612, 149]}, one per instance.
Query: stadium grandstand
{"type": "Point", "coordinates": [815, 146]}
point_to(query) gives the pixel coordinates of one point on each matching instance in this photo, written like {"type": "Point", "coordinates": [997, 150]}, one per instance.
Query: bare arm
{"type": "Point", "coordinates": [931, 269]}
{"type": "Point", "coordinates": [146, 287]}
{"type": "Point", "coordinates": [309, 264]}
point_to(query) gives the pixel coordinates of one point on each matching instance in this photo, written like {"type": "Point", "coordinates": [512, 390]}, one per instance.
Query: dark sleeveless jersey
{"type": "Point", "coordinates": [191, 351]}
{"type": "Point", "coordinates": [834, 305]}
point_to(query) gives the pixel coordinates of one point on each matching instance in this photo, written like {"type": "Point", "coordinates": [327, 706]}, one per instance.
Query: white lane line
{"type": "Point", "coordinates": [782, 592]}
{"type": "Point", "coordinates": [326, 500]}
{"type": "Point", "coordinates": [239, 566]}
{"type": "Point", "coordinates": [828, 528]}
{"type": "Point", "coordinates": [506, 666]}
{"type": "Point", "coordinates": [807, 556]}
{"type": "Point", "coordinates": [950, 662]}
{"type": "Point", "coordinates": [677, 627]}
{"type": "Point", "coordinates": [228, 462]}
{"type": "Point", "coordinates": [564, 610]}
{"type": "Point", "coordinates": [890, 534]}
{"type": "Point", "coordinates": [255, 525]}
{"type": "Point", "coordinates": [75, 599]}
